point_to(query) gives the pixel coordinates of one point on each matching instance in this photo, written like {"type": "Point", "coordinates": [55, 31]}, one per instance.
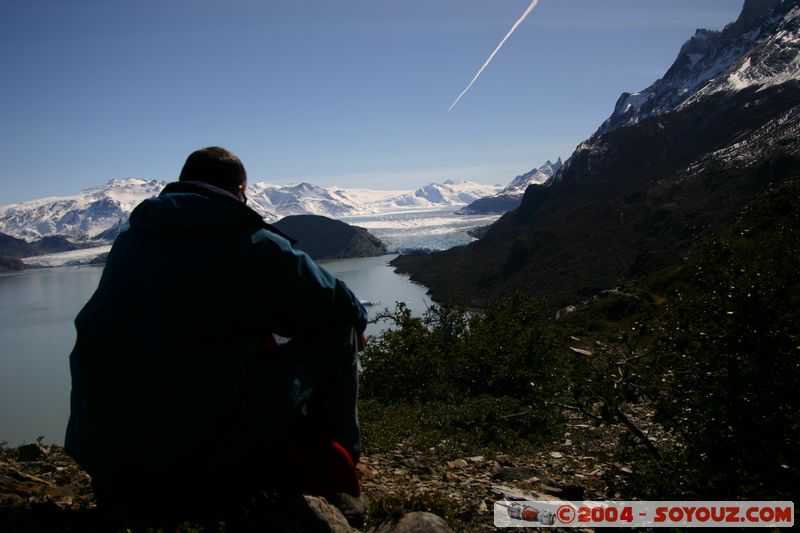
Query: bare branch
{"type": "Point", "coordinates": [638, 433]}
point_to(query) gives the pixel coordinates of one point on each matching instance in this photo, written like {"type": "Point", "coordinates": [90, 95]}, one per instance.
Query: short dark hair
{"type": "Point", "coordinates": [216, 166]}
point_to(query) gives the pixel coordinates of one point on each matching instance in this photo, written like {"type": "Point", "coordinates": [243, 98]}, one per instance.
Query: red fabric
{"type": "Point", "coordinates": [320, 465]}
{"type": "Point", "coordinates": [316, 463]}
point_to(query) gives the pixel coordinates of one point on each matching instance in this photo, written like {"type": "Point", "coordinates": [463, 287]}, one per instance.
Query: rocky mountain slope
{"type": "Point", "coordinates": [607, 216]}
{"type": "Point", "coordinates": [325, 238]}
{"type": "Point", "coordinates": [80, 216]}
{"type": "Point", "coordinates": [12, 249]}
{"type": "Point", "coordinates": [537, 176]}
{"type": "Point", "coordinates": [759, 48]}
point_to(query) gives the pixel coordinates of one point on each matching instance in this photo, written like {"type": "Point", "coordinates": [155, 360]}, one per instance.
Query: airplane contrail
{"type": "Point", "coordinates": [514, 27]}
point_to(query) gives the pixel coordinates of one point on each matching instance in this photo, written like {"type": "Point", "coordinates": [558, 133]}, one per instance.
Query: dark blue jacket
{"type": "Point", "coordinates": [166, 345]}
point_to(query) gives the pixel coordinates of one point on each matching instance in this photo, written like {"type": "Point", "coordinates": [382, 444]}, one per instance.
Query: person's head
{"type": "Point", "coordinates": [216, 166]}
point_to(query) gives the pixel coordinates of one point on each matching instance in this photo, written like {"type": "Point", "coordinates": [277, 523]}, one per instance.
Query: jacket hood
{"type": "Point", "coordinates": [189, 206]}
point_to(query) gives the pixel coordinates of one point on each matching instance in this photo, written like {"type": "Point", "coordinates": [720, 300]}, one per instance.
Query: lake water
{"type": "Point", "coordinates": [37, 309]}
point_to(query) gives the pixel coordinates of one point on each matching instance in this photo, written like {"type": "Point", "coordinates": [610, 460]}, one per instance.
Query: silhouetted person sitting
{"type": "Point", "coordinates": [180, 394]}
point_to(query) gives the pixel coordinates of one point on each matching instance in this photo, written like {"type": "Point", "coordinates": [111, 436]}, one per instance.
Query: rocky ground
{"type": "Point", "coordinates": [463, 490]}
{"type": "Point", "coordinates": [42, 489]}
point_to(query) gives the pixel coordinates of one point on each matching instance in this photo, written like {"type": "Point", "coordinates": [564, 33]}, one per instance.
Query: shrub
{"type": "Point", "coordinates": [459, 372]}
{"type": "Point", "coordinates": [728, 381]}
{"type": "Point", "coordinates": [450, 353]}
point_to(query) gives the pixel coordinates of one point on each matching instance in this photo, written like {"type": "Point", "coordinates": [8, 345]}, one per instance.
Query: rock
{"type": "Point", "coordinates": [506, 492]}
{"type": "Point", "coordinates": [329, 518]}
{"type": "Point", "coordinates": [458, 463]}
{"type": "Point", "coordinates": [11, 264]}
{"type": "Point", "coordinates": [353, 509]}
{"type": "Point", "coordinates": [504, 460]}
{"type": "Point", "coordinates": [449, 477]}
{"type": "Point", "coordinates": [416, 466]}
{"type": "Point", "coordinates": [286, 513]}
{"type": "Point", "coordinates": [364, 470]}
{"type": "Point", "coordinates": [417, 522]}
{"type": "Point", "coordinates": [555, 491]}
{"type": "Point", "coordinates": [31, 452]}
{"type": "Point", "coordinates": [556, 455]}
{"type": "Point", "coordinates": [513, 474]}
{"type": "Point", "coordinates": [18, 475]}
{"type": "Point", "coordinates": [10, 500]}
{"type": "Point", "coordinates": [564, 491]}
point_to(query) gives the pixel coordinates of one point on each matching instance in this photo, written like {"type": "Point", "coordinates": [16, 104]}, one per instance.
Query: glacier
{"type": "Point", "coordinates": [99, 213]}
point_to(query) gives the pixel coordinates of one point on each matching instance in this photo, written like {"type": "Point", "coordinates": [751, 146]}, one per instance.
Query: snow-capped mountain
{"type": "Point", "coordinates": [774, 58]}
{"type": "Point", "coordinates": [100, 213]}
{"type": "Point", "coordinates": [81, 216]}
{"type": "Point", "coordinates": [757, 53]}
{"type": "Point", "coordinates": [759, 48]}
{"type": "Point", "coordinates": [275, 201]}
{"type": "Point", "coordinates": [536, 176]}
{"type": "Point", "coordinates": [450, 192]}
{"type": "Point", "coordinates": [511, 195]}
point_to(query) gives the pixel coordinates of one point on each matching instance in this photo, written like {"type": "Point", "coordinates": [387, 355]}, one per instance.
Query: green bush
{"type": "Point", "coordinates": [728, 381]}
{"type": "Point", "coordinates": [451, 353]}
{"type": "Point", "coordinates": [458, 372]}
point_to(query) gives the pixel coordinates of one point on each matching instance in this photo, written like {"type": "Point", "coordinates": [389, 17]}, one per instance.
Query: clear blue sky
{"type": "Point", "coordinates": [347, 92]}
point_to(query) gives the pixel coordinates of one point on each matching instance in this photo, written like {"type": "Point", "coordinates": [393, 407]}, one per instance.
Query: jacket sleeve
{"type": "Point", "coordinates": [306, 296]}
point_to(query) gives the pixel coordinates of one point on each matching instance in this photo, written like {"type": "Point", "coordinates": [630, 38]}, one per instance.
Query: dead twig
{"type": "Point", "coordinates": [514, 415]}
{"type": "Point", "coordinates": [637, 433]}
{"type": "Point", "coordinates": [580, 410]}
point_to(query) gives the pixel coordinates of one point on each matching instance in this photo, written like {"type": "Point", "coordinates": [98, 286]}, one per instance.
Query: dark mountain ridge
{"type": "Point", "coordinates": [326, 238]}
{"type": "Point", "coordinates": [14, 247]}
